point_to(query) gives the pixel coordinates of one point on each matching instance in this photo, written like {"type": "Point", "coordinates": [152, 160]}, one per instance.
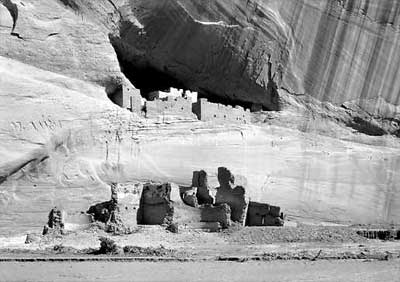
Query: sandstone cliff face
{"type": "Point", "coordinates": [345, 50]}
{"type": "Point", "coordinates": [60, 58]}
{"type": "Point", "coordinates": [335, 51]}
{"type": "Point", "coordinates": [71, 40]}
{"type": "Point", "coordinates": [241, 51]}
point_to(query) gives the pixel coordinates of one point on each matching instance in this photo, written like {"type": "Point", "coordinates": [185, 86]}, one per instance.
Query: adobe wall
{"type": "Point", "coordinates": [131, 99]}
{"type": "Point", "coordinates": [261, 214]}
{"type": "Point", "coordinates": [128, 97]}
{"type": "Point", "coordinates": [120, 213]}
{"type": "Point", "coordinates": [56, 222]}
{"type": "Point", "coordinates": [220, 213]}
{"type": "Point", "coordinates": [229, 192]}
{"type": "Point", "coordinates": [200, 181]}
{"type": "Point", "coordinates": [156, 206]}
{"type": "Point", "coordinates": [207, 111]}
{"type": "Point", "coordinates": [171, 106]}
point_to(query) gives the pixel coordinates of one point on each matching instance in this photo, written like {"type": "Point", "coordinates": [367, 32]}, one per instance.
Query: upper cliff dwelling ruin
{"type": "Point", "coordinates": [154, 94]}
{"type": "Point", "coordinates": [179, 103]}
{"type": "Point", "coordinates": [152, 84]}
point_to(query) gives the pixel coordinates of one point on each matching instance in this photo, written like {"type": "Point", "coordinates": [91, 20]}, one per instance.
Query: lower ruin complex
{"type": "Point", "coordinates": [135, 204]}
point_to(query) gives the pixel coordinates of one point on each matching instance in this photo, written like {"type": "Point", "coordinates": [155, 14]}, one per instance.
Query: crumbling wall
{"type": "Point", "coordinates": [171, 106]}
{"type": "Point", "coordinates": [200, 180]}
{"type": "Point", "coordinates": [127, 97]}
{"type": "Point", "coordinates": [120, 213]}
{"type": "Point", "coordinates": [189, 197]}
{"type": "Point", "coordinates": [207, 111]}
{"type": "Point", "coordinates": [229, 192]}
{"type": "Point", "coordinates": [261, 214]}
{"type": "Point", "coordinates": [220, 213]}
{"type": "Point", "coordinates": [55, 223]}
{"type": "Point", "coordinates": [132, 100]}
{"type": "Point", "coordinates": [156, 206]}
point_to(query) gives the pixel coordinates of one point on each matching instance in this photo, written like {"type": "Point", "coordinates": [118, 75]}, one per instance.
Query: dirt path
{"type": "Point", "coordinates": [355, 270]}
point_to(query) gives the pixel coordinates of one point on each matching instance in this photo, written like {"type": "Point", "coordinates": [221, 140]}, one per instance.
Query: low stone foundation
{"type": "Point", "coordinates": [381, 234]}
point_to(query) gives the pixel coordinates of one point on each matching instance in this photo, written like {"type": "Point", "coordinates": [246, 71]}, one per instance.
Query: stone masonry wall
{"type": "Point", "coordinates": [171, 106]}
{"type": "Point", "coordinates": [131, 99]}
{"type": "Point", "coordinates": [207, 111]}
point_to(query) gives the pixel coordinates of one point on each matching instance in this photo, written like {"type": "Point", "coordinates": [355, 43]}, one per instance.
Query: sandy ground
{"type": "Point", "coordinates": [202, 271]}
{"type": "Point", "coordinates": [235, 244]}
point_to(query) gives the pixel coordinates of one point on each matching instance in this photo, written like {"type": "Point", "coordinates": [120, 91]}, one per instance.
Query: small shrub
{"type": "Point", "coordinates": [173, 227]}
{"type": "Point", "coordinates": [109, 247]}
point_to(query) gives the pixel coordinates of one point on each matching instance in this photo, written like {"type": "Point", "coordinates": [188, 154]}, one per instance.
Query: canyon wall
{"type": "Point", "coordinates": [240, 51]}
{"type": "Point", "coordinates": [346, 50]}
{"type": "Point", "coordinates": [60, 58]}
{"type": "Point", "coordinates": [335, 51]}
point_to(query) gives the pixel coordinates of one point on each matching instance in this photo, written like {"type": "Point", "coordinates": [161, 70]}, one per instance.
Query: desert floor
{"type": "Point", "coordinates": [355, 270]}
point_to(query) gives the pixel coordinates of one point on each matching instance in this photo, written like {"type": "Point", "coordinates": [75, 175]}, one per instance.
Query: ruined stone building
{"type": "Point", "coordinates": [128, 97]}
{"type": "Point", "coordinates": [178, 103]}
{"type": "Point", "coordinates": [262, 214]}
{"type": "Point", "coordinates": [206, 111]}
{"type": "Point", "coordinates": [170, 106]}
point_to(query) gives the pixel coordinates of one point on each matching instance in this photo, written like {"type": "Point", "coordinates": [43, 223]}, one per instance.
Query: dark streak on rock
{"type": "Point", "coordinates": [13, 10]}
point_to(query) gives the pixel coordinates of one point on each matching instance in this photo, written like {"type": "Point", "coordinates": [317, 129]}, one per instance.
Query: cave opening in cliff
{"type": "Point", "coordinates": [114, 91]}
{"type": "Point", "coordinates": [142, 74]}
{"type": "Point", "coordinates": [149, 78]}
{"type": "Point", "coordinates": [226, 101]}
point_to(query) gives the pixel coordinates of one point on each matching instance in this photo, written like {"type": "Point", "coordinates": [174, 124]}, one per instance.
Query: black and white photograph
{"type": "Point", "coordinates": [199, 140]}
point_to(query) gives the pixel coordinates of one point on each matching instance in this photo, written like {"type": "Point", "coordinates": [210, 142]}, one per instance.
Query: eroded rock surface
{"type": "Point", "coordinates": [244, 51]}
{"type": "Point", "coordinates": [58, 62]}
{"type": "Point", "coordinates": [333, 50]}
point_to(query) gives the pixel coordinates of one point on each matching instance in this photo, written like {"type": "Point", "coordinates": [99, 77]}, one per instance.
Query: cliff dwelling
{"type": "Point", "coordinates": [178, 103]}
{"type": "Point", "coordinates": [127, 97]}
{"type": "Point", "coordinates": [156, 94]}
